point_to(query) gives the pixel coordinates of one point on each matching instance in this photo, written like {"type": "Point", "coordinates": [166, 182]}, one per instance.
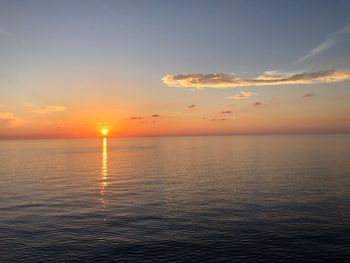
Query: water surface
{"type": "Point", "coordinates": [181, 199]}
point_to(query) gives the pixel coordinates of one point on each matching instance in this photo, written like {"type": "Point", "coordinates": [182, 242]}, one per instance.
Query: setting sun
{"type": "Point", "coordinates": [104, 131]}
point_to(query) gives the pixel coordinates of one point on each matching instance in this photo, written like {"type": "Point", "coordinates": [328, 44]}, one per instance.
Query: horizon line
{"type": "Point", "coordinates": [174, 135]}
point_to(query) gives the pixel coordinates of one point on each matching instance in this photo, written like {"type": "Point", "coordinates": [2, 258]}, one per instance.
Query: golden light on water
{"type": "Point", "coordinates": [104, 159]}
{"type": "Point", "coordinates": [104, 173]}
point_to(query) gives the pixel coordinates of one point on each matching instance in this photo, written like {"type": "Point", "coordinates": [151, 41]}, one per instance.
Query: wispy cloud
{"type": "Point", "coordinates": [8, 119]}
{"type": "Point", "coordinates": [242, 95]}
{"type": "Point", "coordinates": [330, 41]}
{"type": "Point", "coordinates": [222, 119]}
{"type": "Point", "coordinates": [309, 94]}
{"type": "Point", "coordinates": [47, 109]}
{"type": "Point", "coordinates": [192, 106]}
{"type": "Point", "coordinates": [4, 32]}
{"type": "Point", "coordinates": [222, 80]}
{"type": "Point", "coordinates": [226, 112]}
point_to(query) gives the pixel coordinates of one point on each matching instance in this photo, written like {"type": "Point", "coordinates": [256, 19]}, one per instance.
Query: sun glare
{"type": "Point", "coordinates": [104, 132]}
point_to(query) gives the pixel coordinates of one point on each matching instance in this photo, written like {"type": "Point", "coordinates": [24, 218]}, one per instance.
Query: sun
{"type": "Point", "coordinates": [104, 131]}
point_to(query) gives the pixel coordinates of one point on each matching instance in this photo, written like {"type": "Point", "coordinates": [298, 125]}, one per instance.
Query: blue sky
{"type": "Point", "coordinates": [233, 35]}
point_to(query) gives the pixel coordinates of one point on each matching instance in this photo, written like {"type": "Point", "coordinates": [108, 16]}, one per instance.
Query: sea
{"type": "Point", "coordinates": [262, 198]}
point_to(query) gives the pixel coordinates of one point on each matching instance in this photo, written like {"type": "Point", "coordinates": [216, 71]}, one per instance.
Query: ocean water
{"type": "Point", "coordinates": [180, 199]}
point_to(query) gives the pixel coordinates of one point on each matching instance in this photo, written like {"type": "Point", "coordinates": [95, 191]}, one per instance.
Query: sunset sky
{"type": "Point", "coordinates": [149, 68]}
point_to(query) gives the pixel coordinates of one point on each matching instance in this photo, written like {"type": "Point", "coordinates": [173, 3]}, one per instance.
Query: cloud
{"type": "Point", "coordinates": [155, 115]}
{"type": "Point", "coordinates": [333, 39]}
{"type": "Point", "coordinates": [242, 95]}
{"type": "Point", "coordinates": [223, 80]}
{"type": "Point", "coordinates": [9, 120]}
{"type": "Point", "coordinates": [226, 112]}
{"type": "Point", "coordinates": [136, 118]}
{"type": "Point", "coordinates": [222, 119]}
{"type": "Point", "coordinates": [192, 106]}
{"type": "Point", "coordinates": [310, 94]}
{"type": "Point", "coordinates": [48, 109]}
{"type": "Point", "coordinates": [257, 103]}
{"type": "Point", "coordinates": [4, 32]}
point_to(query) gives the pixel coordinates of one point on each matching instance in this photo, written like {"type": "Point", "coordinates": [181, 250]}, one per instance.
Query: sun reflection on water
{"type": "Point", "coordinates": [104, 174]}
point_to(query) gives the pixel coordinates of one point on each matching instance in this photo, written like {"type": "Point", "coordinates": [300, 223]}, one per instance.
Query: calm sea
{"type": "Point", "coordinates": [181, 199]}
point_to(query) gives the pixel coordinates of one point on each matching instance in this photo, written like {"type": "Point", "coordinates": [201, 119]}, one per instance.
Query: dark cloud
{"type": "Point", "coordinates": [310, 94]}
{"type": "Point", "coordinates": [155, 115]}
{"type": "Point", "coordinates": [136, 118]}
{"type": "Point", "coordinates": [226, 112]}
{"type": "Point", "coordinates": [257, 103]}
{"type": "Point", "coordinates": [192, 106]}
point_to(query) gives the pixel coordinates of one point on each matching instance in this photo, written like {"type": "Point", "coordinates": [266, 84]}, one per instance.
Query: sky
{"type": "Point", "coordinates": [164, 68]}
